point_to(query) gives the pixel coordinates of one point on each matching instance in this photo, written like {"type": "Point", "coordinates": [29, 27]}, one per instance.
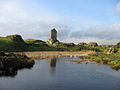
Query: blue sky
{"type": "Point", "coordinates": [76, 20]}
{"type": "Point", "coordinates": [101, 10]}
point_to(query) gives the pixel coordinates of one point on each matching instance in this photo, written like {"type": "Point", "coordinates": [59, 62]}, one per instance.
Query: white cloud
{"type": "Point", "coordinates": [10, 12]}
{"type": "Point", "coordinates": [101, 31]}
{"type": "Point", "coordinates": [91, 39]}
{"type": "Point", "coordinates": [101, 34]}
{"type": "Point", "coordinates": [14, 20]}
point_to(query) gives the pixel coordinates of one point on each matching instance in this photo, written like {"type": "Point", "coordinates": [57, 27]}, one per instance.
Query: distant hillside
{"type": "Point", "coordinates": [38, 45]}
{"type": "Point", "coordinates": [15, 43]}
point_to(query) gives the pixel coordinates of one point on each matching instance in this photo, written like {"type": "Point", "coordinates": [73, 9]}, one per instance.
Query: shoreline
{"type": "Point", "coordinates": [55, 54]}
{"type": "Point", "coordinates": [102, 58]}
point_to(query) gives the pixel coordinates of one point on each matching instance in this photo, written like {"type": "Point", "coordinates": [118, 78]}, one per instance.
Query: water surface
{"type": "Point", "coordinates": [61, 74]}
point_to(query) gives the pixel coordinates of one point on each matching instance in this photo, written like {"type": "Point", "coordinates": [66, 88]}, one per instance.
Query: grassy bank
{"type": "Point", "coordinates": [111, 60]}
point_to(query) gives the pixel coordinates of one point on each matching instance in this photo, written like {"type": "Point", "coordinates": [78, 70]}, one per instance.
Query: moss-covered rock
{"type": "Point", "coordinates": [82, 43]}
{"type": "Point", "coordinates": [93, 44]}
{"type": "Point", "coordinates": [11, 62]}
{"type": "Point", "coordinates": [111, 50]}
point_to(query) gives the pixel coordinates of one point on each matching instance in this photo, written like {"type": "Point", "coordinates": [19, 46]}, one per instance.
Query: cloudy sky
{"type": "Point", "coordinates": [75, 20]}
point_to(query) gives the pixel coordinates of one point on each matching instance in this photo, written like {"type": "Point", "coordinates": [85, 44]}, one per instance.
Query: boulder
{"type": "Point", "coordinates": [2, 54]}
{"type": "Point", "coordinates": [93, 44]}
{"type": "Point", "coordinates": [111, 50]}
{"type": "Point", "coordinates": [82, 43]}
{"type": "Point", "coordinates": [69, 44]}
{"type": "Point", "coordinates": [72, 44]}
{"type": "Point", "coordinates": [118, 43]}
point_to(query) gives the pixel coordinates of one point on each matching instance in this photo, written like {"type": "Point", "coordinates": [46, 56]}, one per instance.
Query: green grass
{"type": "Point", "coordinates": [66, 46]}
{"type": "Point", "coordinates": [33, 41]}
{"type": "Point", "coordinates": [73, 47]}
{"type": "Point", "coordinates": [103, 57]}
{"type": "Point", "coordinates": [113, 62]}
{"type": "Point", "coordinates": [8, 44]}
{"type": "Point", "coordinates": [39, 45]}
{"type": "Point", "coordinates": [116, 54]}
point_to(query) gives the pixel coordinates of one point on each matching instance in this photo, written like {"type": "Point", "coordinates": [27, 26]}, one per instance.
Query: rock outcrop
{"type": "Point", "coordinates": [111, 50]}
{"type": "Point", "coordinates": [118, 43]}
{"type": "Point", "coordinates": [16, 38]}
{"type": "Point", "coordinates": [82, 43]}
{"type": "Point", "coordinates": [10, 63]}
{"type": "Point", "coordinates": [93, 44]}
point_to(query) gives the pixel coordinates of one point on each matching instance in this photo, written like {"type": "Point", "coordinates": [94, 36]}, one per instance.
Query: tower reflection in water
{"type": "Point", "coordinates": [52, 63]}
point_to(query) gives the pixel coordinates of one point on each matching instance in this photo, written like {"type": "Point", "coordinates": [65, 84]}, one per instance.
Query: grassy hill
{"type": "Point", "coordinates": [15, 43]}
{"type": "Point", "coordinates": [7, 44]}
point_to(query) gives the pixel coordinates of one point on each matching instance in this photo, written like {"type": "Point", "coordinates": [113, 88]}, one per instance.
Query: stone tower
{"type": "Point", "coordinates": [53, 37]}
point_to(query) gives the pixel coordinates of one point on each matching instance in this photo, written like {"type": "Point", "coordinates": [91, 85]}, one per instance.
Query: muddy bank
{"type": "Point", "coordinates": [54, 54]}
